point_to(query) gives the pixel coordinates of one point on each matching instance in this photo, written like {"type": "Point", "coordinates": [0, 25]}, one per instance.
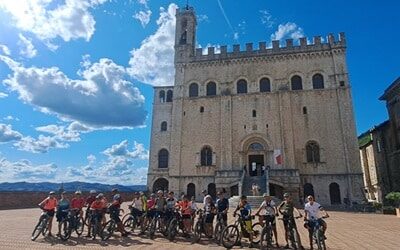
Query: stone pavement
{"type": "Point", "coordinates": [345, 231]}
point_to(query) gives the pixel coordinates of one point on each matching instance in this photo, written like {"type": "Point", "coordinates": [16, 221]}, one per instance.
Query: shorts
{"type": "Point", "coordinates": [136, 212]}
{"type": "Point", "coordinates": [311, 224]}
{"type": "Point", "coordinates": [209, 218]}
{"type": "Point", "coordinates": [286, 221]}
{"type": "Point", "coordinates": [169, 214]}
{"type": "Point", "coordinates": [61, 215]}
{"type": "Point", "coordinates": [248, 226]}
{"type": "Point", "coordinates": [224, 217]}
{"type": "Point", "coordinates": [151, 214]}
{"type": "Point", "coordinates": [269, 219]}
{"type": "Point", "coordinates": [96, 216]}
{"type": "Point", "coordinates": [50, 213]}
{"type": "Point", "coordinates": [115, 216]}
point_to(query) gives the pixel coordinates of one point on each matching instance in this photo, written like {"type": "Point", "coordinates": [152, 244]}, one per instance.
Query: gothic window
{"type": "Point", "coordinates": [312, 152]}
{"type": "Point", "coordinates": [296, 83]}
{"type": "Point", "coordinates": [163, 156]}
{"type": "Point", "coordinates": [162, 96]}
{"type": "Point", "coordinates": [241, 86]}
{"type": "Point", "coordinates": [211, 89]}
{"type": "Point", "coordinates": [318, 81]}
{"type": "Point", "coordinates": [164, 126]}
{"type": "Point", "coordinates": [206, 156]}
{"type": "Point", "coordinates": [169, 95]}
{"type": "Point", "coordinates": [265, 85]}
{"type": "Point", "coordinates": [256, 147]}
{"type": "Point", "coordinates": [193, 90]}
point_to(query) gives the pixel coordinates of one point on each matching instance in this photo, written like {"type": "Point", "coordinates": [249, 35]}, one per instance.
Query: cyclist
{"type": "Point", "coordinates": [90, 198]}
{"type": "Point", "coordinates": [138, 205]}
{"type": "Point", "coordinates": [245, 212]}
{"type": "Point", "coordinates": [270, 213]}
{"type": "Point", "coordinates": [49, 205]}
{"type": "Point", "coordinates": [77, 203]}
{"type": "Point", "coordinates": [62, 210]}
{"type": "Point", "coordinates": [209, 209]}
{"type": "Point", "coordinates": [97, 210]}
{"type": "Point", "coordinates": [115, 208]}
{"type": "Point", "coordinates": [223, 207]}
{"type": "Point", "coordinates": [311, 210]}
{"type": "Point", "coordinates": [171, 204]}
{"type": "Point", "coordinates": [194, 208]}
{"type": "Point", "coordinates": [160, 204]}
{"type": "Point", "coordinates": [286, 208]}
{"type": "Point", "coordinates": [186, 211]}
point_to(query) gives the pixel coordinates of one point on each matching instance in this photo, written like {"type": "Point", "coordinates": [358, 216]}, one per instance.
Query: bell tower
{"type": "Point", "coordinates": [185, 34]}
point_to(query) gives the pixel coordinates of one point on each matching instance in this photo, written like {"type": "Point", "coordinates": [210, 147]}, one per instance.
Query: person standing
{"type": "Point", "coordinates": [62, 210]}
{"type": "Point", "coordinates": [312, 211]}
{"type": "Point", "coordinates": [222, 207]}
{"type": "Point", "coordinates": [286, 208]}
{"type": "Point", "coordinates": [268, 207]}
{"type": "Point", "coordinates": [49, 205]}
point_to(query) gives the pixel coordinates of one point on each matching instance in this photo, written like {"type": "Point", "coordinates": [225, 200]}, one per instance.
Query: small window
{"type": "Point", "coordinates": [265, 85]}
{"type": "Point", "coordinates": [193, 90]}
{"type": "Point", "coordinates": [296, 83]}
{"type": "Point", "coordinates": [201, 109]}
{"type": "Point", "coordinates": [206, 156]}
{"type": "Point", "coordinates": [164, 126]}
{"type": "Point", "coordinates": [312, 152]}
{"type": "Point", "coordinates": [266, 125]}
{"type": "Point", "coordinates": [211, 89]}
{"type": "Point", "coordinates": [162, 96]}
{"type": "Point", "coordinates": [318, 81]}
{"type": "Point", "coordinates": [254, 113]}
{"type": "Point", "coordinates": [341, 83]}
{"type": "Point", "coordinates": [244, 126]}
{"type": "Point", "coordinates": [241, 86]}
{"type": "Point", "coordinates": [169, 95]}
{"type": "Point", "coordinates": [304, 110]}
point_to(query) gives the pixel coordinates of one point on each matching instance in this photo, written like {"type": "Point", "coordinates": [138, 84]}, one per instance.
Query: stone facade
{"type": "Point", "coordinates": [247, 127]}
{"type": "Point", "coordinates": [380, 150]}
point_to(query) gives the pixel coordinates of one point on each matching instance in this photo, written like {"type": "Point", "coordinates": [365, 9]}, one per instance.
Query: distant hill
{"type": "Point", "coordinates": [68, 186]}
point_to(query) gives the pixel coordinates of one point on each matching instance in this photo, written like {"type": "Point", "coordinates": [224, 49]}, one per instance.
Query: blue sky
{"type": "Point", "coordinates": [76, 76]}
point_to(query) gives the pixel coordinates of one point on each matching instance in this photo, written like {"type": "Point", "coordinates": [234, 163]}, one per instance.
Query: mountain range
{"type": "Point", "coordinates": [68, 186]}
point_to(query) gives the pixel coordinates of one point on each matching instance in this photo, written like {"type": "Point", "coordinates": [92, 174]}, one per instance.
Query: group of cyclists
{"type": "Point", "coordinates": [165, 205]}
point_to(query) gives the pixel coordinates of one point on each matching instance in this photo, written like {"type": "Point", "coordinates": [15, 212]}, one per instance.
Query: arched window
{"type": "Point", "coordinates": [163, 156]}
{"type": "Point", "coordinates": [241, 86]}
{"type": "Point", "coordinates": [256, 147]}
{"type": "Point", "coordinates": [334, 193]}
{"type": "Point", "coordinates": [211, 89]}
{"type": "Point", "coordinates": [296, 83]}
{"type": "Point", "coordinates": [312, 151]}
{"type": "Point", "coordinates": [318, 81]}
{"type": "Point", "coordinates": [254, 113]}
{"type": "Point", "coordinates": [193, 90]}
{"type": "Point", "coordinates": [164, 126]}
{"type": "Point", "coordinates": [162, 96]}
{"type": "Point", "coordinates": [206, 156]}
{"type": "Point", "coordinates": [265, 85]}
{"type": "Point", "coordinates": [169, 95]}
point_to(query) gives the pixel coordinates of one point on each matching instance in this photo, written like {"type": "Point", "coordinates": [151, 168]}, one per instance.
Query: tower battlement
{"type": "Point", "coordinates": [317, 44]}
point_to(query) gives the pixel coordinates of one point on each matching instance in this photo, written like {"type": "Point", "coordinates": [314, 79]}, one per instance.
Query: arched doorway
{"type": "Point", "coordinates": [308, 190]}
{"type": "Point", "coordinates": [256, 158]}
{"type": "Point", "coordinates": [160, 184]}
{"type": "Point", "coordinates": [334, 193]}
{"type": "Point", "coordinates": [191, 190]}
{"type": "Point", "coordinates": [212, 190]}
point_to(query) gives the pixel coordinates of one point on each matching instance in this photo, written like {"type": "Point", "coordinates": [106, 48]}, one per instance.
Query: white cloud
{"type": "Point", "coordinates": [101, 99]}
{"type": "Point", "coordinates": [121, 150]}
{"type": "Point", "coordinates": [10, 118]}
{"type": "Point", "coordinates": [24, 170]}
{"type": "Point", "coordinates": [143, 17]}
{"type": "Point", "coordinates": [267, 19]}
{"type": "Point", "coordinates": [153, 62]}
{"type": "Point", "coordinates": [288, 30]}
{"type": "Point", "coordinates": [7, 134]}
{"type": "Point", "coordinates": [3, 95]}
{"type": "Point", "coordinates": [26, 47]}
{"type": "Point", "coordinates": [5, 50]}
{"type": "Point", "coordinates": [202, 18]}
{"type": "Point", "coordinates": [49, 19]}
{"type": "Point", "coordinates": [40, 145]}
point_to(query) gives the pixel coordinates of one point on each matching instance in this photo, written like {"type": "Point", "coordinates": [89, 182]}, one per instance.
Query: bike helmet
{"type": "Point", "coordinates": [286, 195]}
{"type": "Point", "coordinates": [78, 192]}
{"type": "Point", "coordinates": [92, 191]}
{"type": "Point", "coordinates": [52, 193]}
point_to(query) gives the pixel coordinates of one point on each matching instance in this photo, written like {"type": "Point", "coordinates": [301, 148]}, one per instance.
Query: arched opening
{"type": "Point", "coordinates": [162, 96]}
{"type": "Point", "coordinates": [211, 89]}
{"type": "Point", "coordinates": [265, 85]}
{"type": "Point", "coordinates": [160, 184]}
{"type": "Point", "coordinates": [241, 86]}
{"type": "Point", "coordinates": [256, 159]}
{"type": "Point", "coordinates": [191, 190]}
{"type": "Point", "coordinates": [234, 190]}
{"type": "Point", "coordinates": [164, 126]}
{"type": "Point", "coordinates": [163, 156]}
{"type": "Point", "coordinates": [296, 83]}
{"type": "Point", "coordinates": [212, 190]}
{"type": "Point", "coordinates": [308, 190]}
{"type": "Point", "coordinates": [276, 190]}
{"type": "Point", "coordinates": [206, 156]}
{"type": "Point", "coordinates": [193, 90]}
{"type": "Point", "coordinates": [334, 193]}
{"type": "Point", "coordinates": [318, 81]}
{"type": "Point", "coordinates": [312, 151]}
{"type": "Point", "coordinates": [169, 95]}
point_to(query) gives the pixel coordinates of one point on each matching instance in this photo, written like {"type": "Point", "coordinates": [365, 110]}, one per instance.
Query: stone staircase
{"type": "Point", "coordinates": [248, 183]}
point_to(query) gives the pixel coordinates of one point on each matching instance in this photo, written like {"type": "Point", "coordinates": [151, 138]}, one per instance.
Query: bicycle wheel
{"type": "Point", "coordinates": [37, 230]}
{"type": "Point", "coordinates": [163, 227]}
{"type": "Point", "coordinates": [197, 232]}
{"type": "Point", "coordinates": [65, 231]}
{"type": "Point", "coordinates": [173, 229]}
{"type": "Point", "coordinates": [257, 229]}
{"type": "Point", "coordinates": [108, 230]}
{"type": "Point", "coordinates": [126, 216]}
{"type": "Point", "coordinates": [320, 240]}
{"type": "Point", "coordinates": [88, 218]}
{"type": "Point", "coordinates": [94, 226]}
{"type": "Point", "coordinates": [80, 224]}
{"type": "Point", "coordinates": [152, 228]}
{"type": "Point", "coordinates": [294, 239]}
{"type": "Point", "coordinates": [266, 238]}
{"type": "Point", "coordinates": [219, 227]}
{"type": "Point", "coordinates": [130, 224]}
{"type": "Point", "coordinates": [230, 236]}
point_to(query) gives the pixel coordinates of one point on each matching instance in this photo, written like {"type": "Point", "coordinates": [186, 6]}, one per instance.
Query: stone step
{"type": "Point", "coordinates": [254, 201]}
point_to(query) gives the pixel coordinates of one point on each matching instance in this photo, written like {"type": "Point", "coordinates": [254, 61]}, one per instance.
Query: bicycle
{"type": "Point", "coordinates": [266, 239]}
{"type": "Point", "coordinates": [318, 233]}
{"type": "Point", "coordinates": [95, 223]}
{"type": "Point", "coordinates": [219, 227]}
{"type": "Point", "coordinates": [73, 221]}
{"type": "Point", "coordinates": [199, 227]}
{"type": "Point", "coordinates": [131, 222]}
{"type": "Point", "coordinates": [232, 234]}
{"type": "Point", "coordinates": [111, 225]}
{"type": "Point", "coordinates": [42, 226]}
{"type": "Point", "coordinates": [175, 225]}
{"type": "Point", "coordinates": [293, 234]}
{"type": "Point", "coordinates": [157, 223]}
{"type": "Point", "coordinates": [88, 215]}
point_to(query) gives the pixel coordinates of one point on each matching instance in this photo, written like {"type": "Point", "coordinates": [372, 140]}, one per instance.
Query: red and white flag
{"type": "Point", "coordinates": [277, 157]}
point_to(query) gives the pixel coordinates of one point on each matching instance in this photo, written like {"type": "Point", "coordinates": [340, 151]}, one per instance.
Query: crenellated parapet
{"type": "Point", "coordinates": [303, 46]}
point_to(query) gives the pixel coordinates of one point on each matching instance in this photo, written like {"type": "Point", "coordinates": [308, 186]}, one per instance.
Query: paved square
{"type": "Point", "coordinates": [345, 231]}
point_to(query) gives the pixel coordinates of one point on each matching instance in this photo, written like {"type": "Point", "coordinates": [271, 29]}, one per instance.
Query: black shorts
{"type": "Point", "coordinates": [136, 212]}
{"type": "Point", "coordinates": [311, 224]}
{"type": "Point", "coordinates": [115, 216]}
{"type": "Point", "coordinates": [96, 216]}
{"type": "Point", "coordinates": [50, 213]}
{"type": "Point", "coordinates": [209, 218]}
{"type": "Point", "coordinates": [286, 221]}
{"type": "Point", "coordinates": [61, 215]}
{"type": "Point", "coordinates": [224, 217]}
{"type": "Point", "coordinates": [151, 214]}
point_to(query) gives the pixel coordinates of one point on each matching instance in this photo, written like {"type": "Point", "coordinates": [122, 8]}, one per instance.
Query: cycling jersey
{"type": "Point", "coordinates": [89, 200]}
{"type": "Point", "coordinates": [160, 203]}
{"type": "Point", "coordinates": [171, 203]}
{"type": "Point", "coordinates": [185, 207]}
{"type": "Point", "coordinates": [98, 205]}
{"type": "Point", "coordinates": [268, 207]}
{"type": "Point", "coordinates": [49, 204]}
{"type": "Point", "coordinates": [245, 211]}
{"type": "Point", "coordinates": [63, 204]}
{"type": "Point", "coordinates": [151, 203]}
{"type": "Point", "coordinates": [209, 207]}
{"type": "Point", "coordinates": [222, 204]}
{"type": "Point", "coordinates": [77, 203]}
{"type": "Point", "coordinates": [288, 208]}
{"type": "Point", "coordinates": [313, 210]}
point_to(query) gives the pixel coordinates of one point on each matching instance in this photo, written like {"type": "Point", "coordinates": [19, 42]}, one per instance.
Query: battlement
{"type": "Point", "coordinates": [317, 44]}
